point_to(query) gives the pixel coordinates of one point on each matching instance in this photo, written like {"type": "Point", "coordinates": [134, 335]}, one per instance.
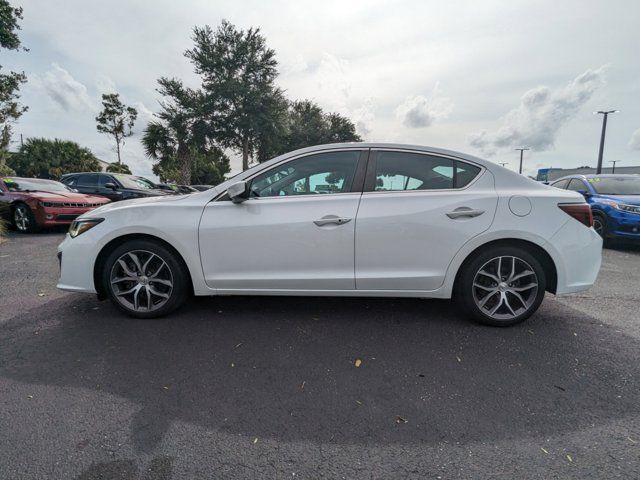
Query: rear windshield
{"type": "Point", "coordinates": [616, 185]}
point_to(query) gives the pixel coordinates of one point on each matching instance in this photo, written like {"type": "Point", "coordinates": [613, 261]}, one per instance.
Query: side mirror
{"type": "Point", "coordinates": [238, 192]}
{"type": "Point", "coordinates": [111, 186]}
{"type": "Point", "coordinates": [584, 193]}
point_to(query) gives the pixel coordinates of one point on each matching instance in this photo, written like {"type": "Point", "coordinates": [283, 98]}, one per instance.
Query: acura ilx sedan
{"type": "Point", "coordinates": [344, 219]}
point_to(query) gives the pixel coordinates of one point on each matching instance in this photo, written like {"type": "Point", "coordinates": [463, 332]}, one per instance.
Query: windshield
{"type": "Point", "coordinates": [31, 184]}
{"type": "Point", "coordinates": [129, 181]}
{"type": "Point", "coordinates": [616, 185]}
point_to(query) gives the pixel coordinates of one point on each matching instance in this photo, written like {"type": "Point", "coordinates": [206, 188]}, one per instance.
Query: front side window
{"type": "Point", "coordinates": [322, 173]}
{"type": "Point", "coordinates": [398, 171]}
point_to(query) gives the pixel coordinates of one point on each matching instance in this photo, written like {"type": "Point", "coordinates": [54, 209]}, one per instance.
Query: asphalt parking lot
{"type": "Point", "coordinates": [268, 387]}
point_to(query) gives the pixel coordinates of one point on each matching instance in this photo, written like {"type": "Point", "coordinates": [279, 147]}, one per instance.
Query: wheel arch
{"type": "Point", "coordinates": [534, 249]}
{"type": "Point", "coordinates": [115, 243]}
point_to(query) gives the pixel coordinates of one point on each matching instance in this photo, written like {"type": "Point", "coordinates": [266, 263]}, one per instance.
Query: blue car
{"type": "Point", "coordinates": [614, 200]}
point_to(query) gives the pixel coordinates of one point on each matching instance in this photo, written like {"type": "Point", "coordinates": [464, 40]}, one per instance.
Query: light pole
{"type": "Point", "coordinates": [613, 170]}
{"type": "Point", "coordinates": [605, 114]}
{"type": "Point", "coordinates": [521, 152]}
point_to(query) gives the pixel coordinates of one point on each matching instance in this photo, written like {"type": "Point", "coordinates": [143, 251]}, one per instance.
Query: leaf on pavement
{"type": "Point", "coordinates": [358, 362]}
{"type": "Point", "coordinates": [399, 419]}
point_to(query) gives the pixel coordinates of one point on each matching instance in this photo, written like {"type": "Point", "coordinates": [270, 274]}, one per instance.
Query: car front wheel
{"type": "Point", "coordinates": [502, 286]}
{"type": "Point", "coordinates": [23, 219]}
{"type": "Point", "coordinates": [145, 279]}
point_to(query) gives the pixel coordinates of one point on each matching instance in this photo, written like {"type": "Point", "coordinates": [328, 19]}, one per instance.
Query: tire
{"type": "Point", "coordinates": [145, 279]}
{"type": "Point", "coordinates": [513, 302]}
{"type": "Point", "coordinates": [601, 227]}
{"type": "Point", "coordinates": [23, 219]}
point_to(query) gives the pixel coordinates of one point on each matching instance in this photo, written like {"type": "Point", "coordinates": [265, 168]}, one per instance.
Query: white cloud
{"type": "Point", "coordinates": [634, 143]}
{"type": "Point", "coordinates": [420, 111]}
{"type": "Point", "coordinates": [542, 113]}
{"type": "Point", "coordinates": [66, 91]}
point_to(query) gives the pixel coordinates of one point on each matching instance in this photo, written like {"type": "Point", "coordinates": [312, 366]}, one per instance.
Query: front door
{"type": "Point", "coordinates": [417, 211]}
{"type": "Point", "coordinates": [295, 232]}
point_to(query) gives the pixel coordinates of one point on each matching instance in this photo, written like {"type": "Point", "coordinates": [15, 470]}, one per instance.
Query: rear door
{"type": "Point", "coordinates": [87, 183]}
{"type": "Point", "coordinates": [416, 212]}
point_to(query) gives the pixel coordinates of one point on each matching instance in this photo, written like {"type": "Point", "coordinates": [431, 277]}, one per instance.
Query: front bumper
{"type": "Point", "coordinates": [623, 224]}
{"type": "Point", "coordinates": [52, 216]}
{"type": "Point", "coordinates": [77, 258]}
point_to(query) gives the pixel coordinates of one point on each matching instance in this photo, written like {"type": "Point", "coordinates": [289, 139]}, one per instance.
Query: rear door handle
{"type": "Point", "coordinates": [464, 212]}
{"type": "Point", "coordinates": [331, 220]}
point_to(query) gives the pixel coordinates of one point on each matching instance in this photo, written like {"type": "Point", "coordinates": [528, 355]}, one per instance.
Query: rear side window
{"type": "Point", "coordinates": [400, 171]}
{"type": "Point", "coordinates": [577, 185]}
{"type": "Point", "coordinates": [87, 181]}
{"type": "Point", "coordinates": [560, 184]}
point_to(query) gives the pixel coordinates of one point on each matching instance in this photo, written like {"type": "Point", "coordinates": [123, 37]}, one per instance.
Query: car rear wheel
{"type": "Point", "coordinates": [145, 279]}
{"type": "Point", "coordinates": [23, 219]}
{"type": "Point", "coordinates": [502, 286]}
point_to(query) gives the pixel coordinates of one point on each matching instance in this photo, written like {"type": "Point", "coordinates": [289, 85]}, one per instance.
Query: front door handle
{"type": "Point", "coordinates": [464, 212]}
{"type": "Point", "coordinates": [331, 220]}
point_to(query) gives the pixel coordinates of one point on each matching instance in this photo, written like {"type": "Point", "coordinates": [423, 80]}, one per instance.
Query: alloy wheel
{"type": "Point", "coordinates": [21, 218]}
{"type": "Point", "coordinates": [598, 226]}
{"type": "Point", "coordinates": [505, 287]}
{"type": "Point", "coordinates": [141, 281]}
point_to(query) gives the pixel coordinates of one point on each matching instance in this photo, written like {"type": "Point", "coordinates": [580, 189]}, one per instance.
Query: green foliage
{"type": "Point", "coordinates": [178, 141]}
{"type": "Point", "coordinates": [44, 158]}
{"type": "Point", "coordinates": [6, 170]}
{"type": "Point", "coordinates": [238, 73]}
{"type": "Point", "coordinates": [304, 124]}
{"type": "Point", "coordinates": [10, 108]}
{"type": "Point", "coordinates": [116, 119]}
{"type": "Point", "coordinates": [118, 168]}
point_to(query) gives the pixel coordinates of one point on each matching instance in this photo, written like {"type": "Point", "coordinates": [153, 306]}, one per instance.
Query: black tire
{"type": "Point", "coordinates": [468, 294]}
{"type": "Point", "coordinates": [174, 271]}
{"type": "Point", "coordinates": [23, 219]}
{"type": "Point", "coordinates": [601, 227]}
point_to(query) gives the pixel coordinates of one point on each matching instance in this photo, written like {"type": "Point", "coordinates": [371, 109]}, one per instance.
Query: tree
{"type": "Point", "coordinates": [118, 168]}
{"type": "Point", "coordinates": [116, 119]}
{"type": "Point", "coordinates": [305, 124]}
{"type": "Point", "coordinates": [238, 73]}
{"type": "Point", "coordinates": [179, 140]}
{"type": "Point", "coordinates": [10, 108]}
{"type": "Point", "coordinates": [44, 158]}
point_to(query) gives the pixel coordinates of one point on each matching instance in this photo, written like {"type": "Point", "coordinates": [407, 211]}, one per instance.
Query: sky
{"type": "Point", "coordinates": [481, 77]}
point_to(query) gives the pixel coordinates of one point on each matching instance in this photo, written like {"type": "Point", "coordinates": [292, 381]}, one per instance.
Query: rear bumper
{"type": "Point", "coordinates": [577, 254]}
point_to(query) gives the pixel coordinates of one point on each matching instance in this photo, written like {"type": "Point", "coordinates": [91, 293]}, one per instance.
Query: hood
{"type": "Point", "coordinates": [67, 197]}
{"type": "Point", "coordinates": [135, 202]}
{"type": "Point", "coordinates": [628, 199]}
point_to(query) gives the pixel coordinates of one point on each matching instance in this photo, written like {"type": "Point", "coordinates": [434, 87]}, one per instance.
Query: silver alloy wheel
{"type": "Point", "coordinates": [21, 218]}
{"type": "Point", "coordinates": [141, 281]}
{"type": "Point", "coordinates": [505, 287]}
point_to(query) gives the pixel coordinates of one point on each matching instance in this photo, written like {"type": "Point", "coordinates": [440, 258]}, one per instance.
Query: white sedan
{"type": "Point", "coordinates": [358, 219]}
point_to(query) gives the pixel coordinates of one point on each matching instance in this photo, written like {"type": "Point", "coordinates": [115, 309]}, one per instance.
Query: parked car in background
{"type": "Point", "coordinates": [359, 219]}
{"type": "Point", "coordinates": [614, 200]}
{"type": "Point", "coordinates": [35, 203]}
{"type": "Point", "coordinates": [114, 186]}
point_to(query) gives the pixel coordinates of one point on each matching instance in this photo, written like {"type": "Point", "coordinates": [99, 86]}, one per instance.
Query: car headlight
{"type": "Point", "coordinates": [80, 226]}
{"type": "Point", "coordinates": [623, 207]}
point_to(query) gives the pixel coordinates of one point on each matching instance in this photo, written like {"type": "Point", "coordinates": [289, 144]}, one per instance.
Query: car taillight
{"type": "Point", "coordinates": [579, 211]}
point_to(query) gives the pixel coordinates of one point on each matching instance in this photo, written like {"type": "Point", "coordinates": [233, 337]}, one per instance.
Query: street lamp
{"type": "Point", "coordinates": [521, 152]}
{"type": "Point", "coordinates": [605, 114]}
{"type": "Point", "coordinates": [613, 170]}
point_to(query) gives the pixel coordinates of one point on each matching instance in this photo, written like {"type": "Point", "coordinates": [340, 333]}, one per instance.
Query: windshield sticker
{"type": "Point", "coordinates": [592, 180]}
